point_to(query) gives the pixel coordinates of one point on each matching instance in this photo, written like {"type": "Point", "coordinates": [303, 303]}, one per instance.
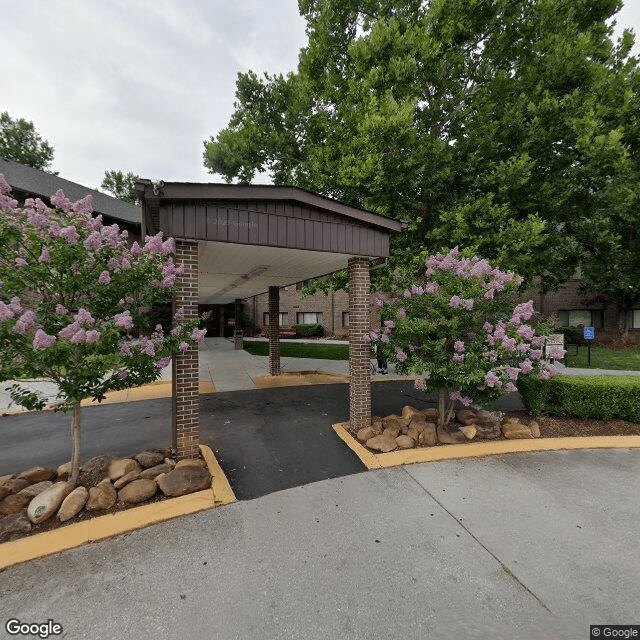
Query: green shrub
{"type": "Point", "coordinates": [573, 335]}
{"type": "Point", "coordinates": [599, 397]}
{"type": "Point", "coordinates": [306, 330]}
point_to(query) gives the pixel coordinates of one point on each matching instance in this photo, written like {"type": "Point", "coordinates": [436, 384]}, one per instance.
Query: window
{"type": "Point", "coordinates": [284, 319]}
{"type": "Point", "coordinates": [635, 319]}
{"type": "Point", "coordinates": [299, 285]}
{"type": "Point", "coordinates": [309, 317]}
{"type": "Point", "coordinates": [584, 317]}
{"type": "Point", "coordinates": [345, 318]}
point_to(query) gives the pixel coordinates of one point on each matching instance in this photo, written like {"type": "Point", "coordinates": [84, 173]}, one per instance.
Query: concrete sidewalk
{"type": "Point", "coordinates": [533, 546]}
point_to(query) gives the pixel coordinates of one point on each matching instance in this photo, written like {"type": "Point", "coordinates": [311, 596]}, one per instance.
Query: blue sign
{"type": "Point", "coordinates": [589, 333]}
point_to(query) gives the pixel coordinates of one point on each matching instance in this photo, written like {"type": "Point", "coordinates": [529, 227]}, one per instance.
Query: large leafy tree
{"type": "Point", "coordinates": [20, 142]}
{"type": "Point", "coordinates": [120, 185]}
{"type": "Point", "coordinates": [482, 123]}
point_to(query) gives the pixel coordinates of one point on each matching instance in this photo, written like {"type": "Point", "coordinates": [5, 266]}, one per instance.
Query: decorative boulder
{"type": "Point", "coordinates": [382, 443]}
{"type": "Point", "coordinates": [466, 417]}
{"type": "Point", "coordinates": [149, 458]}
{"type": "Point", "coordinates": [99, 465]}
{"type": "Point", "coordinates": [119, 468]}
{"type": "Point", "coordinates": [64, 471]}
{"type": "Point", "coordinates": [469, 431]}
{"type": "Point", "coordinates": [47, 503]}
{"type": "Point", "coordinates": [183, 480]}
{"type": "Point", "coordinates": [138, 491]}
{"type": "Point", "coordinates": [454, 436]}
{"type": "Point", "coordinates": [150, 474]}
{"type": "Point", "coordinates": [170, 462]}
{"type": "Point", "coordinates": [405, 442]}
{"type": "Point", "coordinates": [409, 413]}
{"type": "Point", "coordinates": [190, 462]}
{"type": "Point", "coordinates": [17, 522]}
{"type": "Point", "coordinates": [376, 424]}
{"type": "Point", "coordinates": [37, 474]}
{"type": "Point", "coordinates": [73, 504]}
{"type": "Point", "coordinates": [103, 496]}
{"type": "Point", "coordinates": [430, 414]}
{"type": "Point", "coordinates": [14, 503]}
{"type": "Point", "coordinates": [365, 434]}
{"type": "Point", "coordinates": [129, 477]}
{"type": "Point", "coordinates": [513, 429]}
{"type": "Point", "coordinates": [391, 432]}
{"type": "Point", "coordinates": [428, 436]}
{"type": "Point", "coordinates": [34, 489]}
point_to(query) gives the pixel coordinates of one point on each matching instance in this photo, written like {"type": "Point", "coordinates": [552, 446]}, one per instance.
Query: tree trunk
{"type": "Point", "coordinates": [75, 445]}
{"type": "Point", "coordinates": [623, 325]}
{"type": "Point", "coordinates": [442, 408]}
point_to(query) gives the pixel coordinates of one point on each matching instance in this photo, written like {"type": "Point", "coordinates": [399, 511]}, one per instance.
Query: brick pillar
{"type": "Point", "coordinates": [186, 403]}
{"type": "Point", "coordinates": [359, 350]}
{"type": "Point", "coordinates": [274, 331]}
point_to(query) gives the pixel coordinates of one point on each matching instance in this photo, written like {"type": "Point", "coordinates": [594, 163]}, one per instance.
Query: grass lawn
{"type": "Point", "coordinates": [605, 358]}
{"type": "Point", "coordinates": [301, 350]}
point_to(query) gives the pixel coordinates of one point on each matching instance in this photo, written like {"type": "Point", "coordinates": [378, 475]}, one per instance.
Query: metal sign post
{"type": "Point", "coordinates": [589, 335]}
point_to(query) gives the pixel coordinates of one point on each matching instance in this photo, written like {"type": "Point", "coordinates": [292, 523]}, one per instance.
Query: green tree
{"type": "Point", "coordinates": [121, 185]}
{"type": "Point", "coordinates": [20, 142]}
{"type": "Point", "coordinates": [480, 122]}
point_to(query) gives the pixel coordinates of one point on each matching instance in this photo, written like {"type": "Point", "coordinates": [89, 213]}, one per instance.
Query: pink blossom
{"type": "Point", "coordinates": [429, 272]}
{"type": "Point", "coordinates": [42, 340]}
{"type": "Point", "coordinates": [526, 366]}
{"type": "Point", "coordinates": [491, 356]}
{"type": "Point", "coordinates": [538, 341]}
{"type": "Point", "coordinates": [126, 265]}
{"type": "Point", "coordinates": [459, 346]}
{"type": "Point", "coordinates": [489, 294]}
{"type": "Point", "coordinates": [492, 380]}
{"type": "Point", "coordinates": [510, 387]}
{"type": "Point", "coordinates": [5, 311]}
{"type": "Point", "coordinates": [406, 294]}
{"type": "Point", "coordinates": [509, 343]}
{"type": "Point", "coordinates": [136, 250]}
{"type": "Point", "coordinates": [61, 201]}
{"type": "Point", "coordinates": [458, 358]}
{"type": "Point", "coordinates": [468, 304]}
{"type": "Point", "coordinates": [390, 324]}
{"type": "Point", "coordinates": [167, 247]}
{"type": "Point", "coordinates": [401, 313]}
{"type": "Point", "coordinates": [4, 185]}
{"type": "Point", "coordinates": [104, 278]}
{"type": "Point", "coordinates": [44, 256]}
{"type": "Point", "coordinates": [167, 282]}
{"type": "Point", "coordinates": [179, 314]}
{"type": "Point", "coordinates": [84, 316]}
{"type": "Point", "coordinates": [83, 206]}
{"type": "Point", "coordinates": [112, 263]}
{"type": "Point", "coordinates": [523, 347]}
{"type": "Point", "coordinates": [513, 373]}
{"type": "Point", "coordinates": [21, 262]}
{"type": "Point", "coordinates": [148, 349]}
{"type": "Point", "coordinates": [535, 354]}
{"type": "Point", "coordinates": [525, 331]}
{"type": "Point", "coordinates": [78, 337]}
{"type": "Point", "coordinates": [384, 337]}
{"type": "Point", "coordinates": [198, 334]}
{"type": "Point", "coordinates": [487, 326]}
{"type": "Point", "coordinates": [420, 384]}
{"type": "Point", "coordinates": [94, 241]}
{"type": "Point", "coordinates": [124, 320]}
{"type": "Point", "coordinates": [524, 310]}
{"type": "Point", "coordinates": [36, 219]}
{"type": "Point", "coordinates": [431, 287]}
{"type": "Point", "coordinates": [455, 302]}
{"type": "Point", "coordinates": [93, 336]}
{"type": "Point", "coordinates": [183, 346]}
{"type": "Point", "coordinates": [164, 362]}
{"type": "Point", "coordinates": [557, 352]}
{"type": "Point", "coordinates": [124, 349]}
{"type": "Point", "coordinates": [552, 370]}
{"type": "Point", "coordinates": [94, 223]}
{"type": "Point", "coordinates": [61, 310]}
{"type": "Point", "coordinates": [366, 338]}
{"type": "Point", "coordinates": [153, 244]}
{"type": "Point", "coordinates": [378, 302]}
{"type": "Point", "coordinates": [69, 234]}
{"type": "Point", "coordinates": [7, 202]}
{"type": "Point", "coordinates": [373, 335]}
{"type": "Point", "coordinates": [400, 355]}
{"type": "Point", "coordinates": [70, 330]}
{"type": "Point", "coordinates": [122, 374]}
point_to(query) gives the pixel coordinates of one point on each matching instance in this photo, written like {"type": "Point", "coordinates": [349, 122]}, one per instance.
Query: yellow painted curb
{"type": "Point", "coordinates": [113, 524]}
{"type": "Point", "coordinates": [479, 449]}
{"type": "Point", "coordinates": [299, 378]}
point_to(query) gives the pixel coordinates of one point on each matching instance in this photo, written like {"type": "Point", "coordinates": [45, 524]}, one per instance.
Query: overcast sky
{"type": "Point", "coordinates": [138, 85]}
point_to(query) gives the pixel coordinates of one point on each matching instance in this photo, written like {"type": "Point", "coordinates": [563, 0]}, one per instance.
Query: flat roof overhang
{"type": "Point", "coordinates": [256, 236]}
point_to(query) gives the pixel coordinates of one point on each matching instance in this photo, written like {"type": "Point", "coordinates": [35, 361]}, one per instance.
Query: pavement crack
{"type": "Point", "coordinates": [502, 565]}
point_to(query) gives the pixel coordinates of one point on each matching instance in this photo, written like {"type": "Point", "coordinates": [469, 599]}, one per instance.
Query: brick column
{"type": "Point", "coordinates": [274, 331]}
{"type": "Point", "coordinates": [359, 350]}
{"type": "Point", "coordinates": [186, 403]}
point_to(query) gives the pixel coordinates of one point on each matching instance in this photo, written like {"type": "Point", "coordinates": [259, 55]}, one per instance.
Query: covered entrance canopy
{"type": "Point", "coordinates": [240, 241]}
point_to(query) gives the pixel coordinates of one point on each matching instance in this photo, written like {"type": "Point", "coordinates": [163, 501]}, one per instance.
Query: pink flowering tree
{"type": "Point", "coordinates": [456, 324]}
{"type": "Point", "coordinates": [73, 295]}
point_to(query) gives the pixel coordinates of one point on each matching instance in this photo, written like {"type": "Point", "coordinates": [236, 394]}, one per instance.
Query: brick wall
{"type": "Point", "coordinates": [274, 334]}
{"type": "Point", "coordinates": [186, 404]}
{"type": "Point", "coordinates": [359, 350]}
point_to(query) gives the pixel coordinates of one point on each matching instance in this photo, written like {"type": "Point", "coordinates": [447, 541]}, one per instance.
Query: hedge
{"type": "Point", "coordinates": [599, 397]}
{"type": "Point", "coordinates": [306, 330]}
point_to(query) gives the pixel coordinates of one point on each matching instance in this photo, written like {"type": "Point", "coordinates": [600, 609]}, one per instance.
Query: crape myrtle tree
{"type": "Point", "coordinates": [483, 123]}
{"type": "Point", "coordinates": [72, 291]}
{"type": "Point", "coordinates": [455, 322]}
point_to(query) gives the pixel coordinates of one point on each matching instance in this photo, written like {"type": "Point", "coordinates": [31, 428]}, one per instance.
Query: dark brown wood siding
{"type": "Point", "coordinates": [274, 224]}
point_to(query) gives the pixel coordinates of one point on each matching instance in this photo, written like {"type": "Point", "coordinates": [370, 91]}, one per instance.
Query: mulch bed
{"type": "Point", "coordinates": [552, 427]}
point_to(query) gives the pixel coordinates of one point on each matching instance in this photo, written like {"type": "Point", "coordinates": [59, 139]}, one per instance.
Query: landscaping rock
{"type": "Point", "coordinates": [129, 477]}
{"type": "Point", "coordinates": [488, 430]}
{"type": "Point", "coordinates": [183, 480]}
{"type": "Point", "coordinates": [428, 436]}
{"type": "Point", "coordinates": [170, 462]}
{"type": "Point", "coordinates": [419, 424]}
{"type": "Point", "coordinates": [405, 442]}
{"type": "Point", "coordinates": [138, 491]}
{"type": "Point", "coordinates": [99, 465]}
{"type": "Point", "coordinates": [450, 436]}
{"type": "Point", "coordinates": [409, 413]}
{"type": "Point", "coordinates": [376, 424]}
{"type": "Point", "coordinates": [64, 471]}
{"type": "Point", "coordinates": [534, 427]}
{"type": "Point", "coordinates": [469, 431]}
{"type": "Point", "coordinates": [73, 504]}
{"type": "Point", "coordinates": [430, 414]}
{"type": "Point", "coordinates": [382, 443]}
{"type": "Point", "coordinates": [103, 496]}
{"type": "Point", "coordinates": [190, 462]}
{"type": "Point", "coordinates": [414, 433]}
{"type": "Point", "coordinates": [5, 490]}
{"type": "Point", "coordinates": [119, 468]}
{"type": "Point", "coordinates": [514, 430]}
{"type": "Point", "coordinates": [47, 503]}
{"type": "Point", "coordinates": [13, 503]}
{"type": "Point", "coordinates": [393, 422]}
{"type": "Point", "coordinates": [365, 434]}
{"type": "Point", "coordinates": [17, 522]}
{"type": "Point", "coordinates": [391, 432]}
{"type": "Point", "coordinates": [167, 452]}
{"type": "Point", "coordinates": [485, 416]}
{"type": "Point", "coordinates": [149, 458]}
{"type": "Point", "coordinates": [34, 489]}
{"type": "Point", "coordinates": [466, 416]}
{"type": "Point", "coordinates": [37, 474]}
{"type": "Point", "coordinates": [150, 474]}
